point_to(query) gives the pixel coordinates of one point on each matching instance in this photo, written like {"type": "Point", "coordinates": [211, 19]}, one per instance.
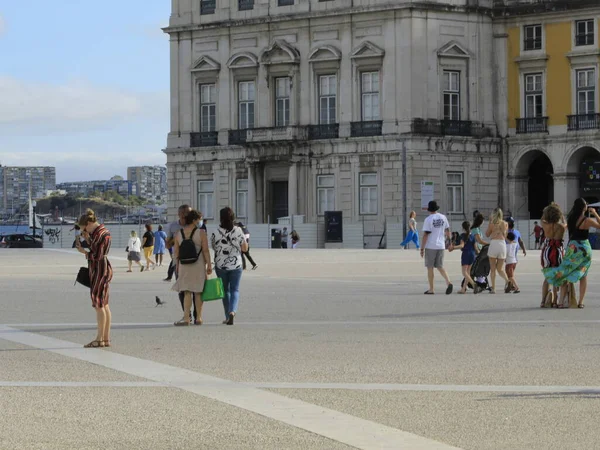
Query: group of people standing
{"type": "Point", "coordinates": [153, 244]}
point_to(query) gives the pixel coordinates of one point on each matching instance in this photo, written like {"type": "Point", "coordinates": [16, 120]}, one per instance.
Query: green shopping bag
{"type": "Point", "coordinates": [213, 290]}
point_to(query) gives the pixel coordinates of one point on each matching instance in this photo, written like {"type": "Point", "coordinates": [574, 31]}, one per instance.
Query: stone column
{"type": "Point", "coordinates": [293, 189]}
{"type": "Point", "coordinates": [566, 190]}
{"type": "Point", "coordinates": [519, 196]}
{"type": "Point", "coordinates": [251, 193]}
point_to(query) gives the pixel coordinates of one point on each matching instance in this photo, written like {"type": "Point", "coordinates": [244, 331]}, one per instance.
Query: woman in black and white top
{"type": "Point", "coordinates": [229, 243]}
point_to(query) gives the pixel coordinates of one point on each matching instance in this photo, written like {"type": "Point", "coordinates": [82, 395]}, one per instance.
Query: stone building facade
{"type": "Point", "coordinates": [282, 108]}
{"type": "Point", "coordinates": [548, 59]}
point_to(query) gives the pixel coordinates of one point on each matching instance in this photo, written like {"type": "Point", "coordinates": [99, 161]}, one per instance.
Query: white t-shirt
{"type": "Point", "coordinates": [511, 253]}
{"type": "Point", "coordinates": [134, 244]}
{"type": "Point", "coordinates": [436, 224]}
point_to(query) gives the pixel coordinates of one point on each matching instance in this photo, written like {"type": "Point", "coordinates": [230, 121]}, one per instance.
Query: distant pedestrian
{"type": "Point", "coordinates": [413, 233]}
{"type": "Point", "coordinates": [134, 248]}
{"type": "Point", "coordinates": [537, 232]}
{"type": "Point", "coordinates": [518, 238]}
{"type": "Point", "coordinates": [101, 274]}
{"type": "Point", "coordinates": [436, 230]}
{"type": "Point", "coordinates": [295, 239]}
{"type": "Point", "coordinates": [160, 239]}
{"type": "Point", "coordinates": [246, 254]}
{"type": "Point", "coordinates": [229, 243]}
{"type": "Point", "coordinates": [284, 238]}
{"type": "Point", "coordinates": [496, 231]}
{"type": "Point", "coordinates": [148, 246]}
{"type": "Point", "coordinates": [467, 244]}
{"type": "Point", "coordinates": [512, 249]}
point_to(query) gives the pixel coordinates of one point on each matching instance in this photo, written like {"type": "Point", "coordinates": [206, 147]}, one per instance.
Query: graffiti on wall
{"type": "Point", "coordinates": [53, 235]}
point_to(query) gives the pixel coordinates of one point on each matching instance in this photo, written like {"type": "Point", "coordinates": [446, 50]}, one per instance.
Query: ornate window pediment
{"type": "Point", "coordinates": [242, 60]}
{"type": "Point", "coordinates": [367, 50]}
{"type": "Point", "coordinates": [280, 52]}
{"type": "Point", "coordinates": [454, 50]}
{"type": "Point", "coordinates": [325, 53]}
{"type": "Point", "coordinates": [206, 64]}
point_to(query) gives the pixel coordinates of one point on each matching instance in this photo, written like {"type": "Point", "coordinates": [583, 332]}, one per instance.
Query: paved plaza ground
{"type": "Point", "coordinates": [330, 350]}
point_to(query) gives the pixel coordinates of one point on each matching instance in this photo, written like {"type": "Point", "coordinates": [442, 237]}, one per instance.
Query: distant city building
{"type": "Point", "coordinates": [85, 188]}
{"type": "Point", "coordinates": [151, 181]}
{"type": "Point", "coordinates": [16, 183]}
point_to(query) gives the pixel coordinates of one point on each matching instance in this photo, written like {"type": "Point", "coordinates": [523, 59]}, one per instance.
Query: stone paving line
{"type": "Point", "coordinates": [340, 427]}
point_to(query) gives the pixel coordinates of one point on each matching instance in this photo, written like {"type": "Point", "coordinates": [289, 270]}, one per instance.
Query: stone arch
{"type": "Point", "coordinates": [533, 178]}
{"type": "Point", "coordinates": [574, 156]}
{"type": "Point", "coordinates": [582, 169]}
{"type": "Point", "coordinates": [242, 59]}
{"type": "Point", "coordinates": [325, 53]}
{"type": "Point", "coordinates": [280, 52]}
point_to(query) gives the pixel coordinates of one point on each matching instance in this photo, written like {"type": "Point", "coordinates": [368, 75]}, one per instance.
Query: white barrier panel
{"type": "Point", "coordinates": [394, 236]}
{"type": "Point", "coordinates": [353, 235]}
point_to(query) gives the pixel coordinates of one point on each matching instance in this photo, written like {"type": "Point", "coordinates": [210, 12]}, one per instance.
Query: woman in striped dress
{"type": "Point", "coordinates": [101, 274]}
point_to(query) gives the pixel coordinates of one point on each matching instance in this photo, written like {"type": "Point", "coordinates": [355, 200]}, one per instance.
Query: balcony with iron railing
{"type": "Point", "coordinates": [446, 127]}
{"type": "Point", "coordinates": [204, 139]}
{"type": "Point", "coordinates": [238, 137]}
{"type": "Point", "coordinates": [207, 7]}
{"type": "Point", "coordinates": [583, 122]}
{"type": "Point", "coordinates": [276, 134]}
{"type": "Point", "coordinates": [245, 5]}
{"type": "Point", "coordinates": [366, 128]}
{"type": "Point", "coordinates": [528, 125]}
{"type": "Point", "coordinates": [539, 6]}
{"type": "Point", "coordinates": [327, 131]}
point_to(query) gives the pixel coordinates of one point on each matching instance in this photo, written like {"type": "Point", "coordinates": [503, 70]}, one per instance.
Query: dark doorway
{"type": "Point", "coordinates": [279, 200]}
{"type": "Point", "coordinates": [541, 186]}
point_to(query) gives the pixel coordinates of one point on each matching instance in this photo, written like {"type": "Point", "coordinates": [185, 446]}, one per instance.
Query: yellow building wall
{"type": "Point", "coordinates": [513, 89]}
{"type": "Point", "coordinates": [558, 72]}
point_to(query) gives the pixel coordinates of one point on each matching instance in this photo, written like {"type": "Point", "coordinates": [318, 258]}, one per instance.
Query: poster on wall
{"type": "Point", "coordinates": [590, 178]}
{"type": "Point", "coordinates": [426, 194]}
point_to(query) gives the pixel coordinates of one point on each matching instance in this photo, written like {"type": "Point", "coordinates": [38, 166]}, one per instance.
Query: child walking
{"type": "Point", "coordinates": [511, 263]}
{"type": "Point", "coordinates": [467, 244]}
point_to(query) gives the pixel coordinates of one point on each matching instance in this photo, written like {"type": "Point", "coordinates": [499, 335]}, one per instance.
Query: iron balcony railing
{"type": "Point", "coordinates": [207, 6]}
{"type": "Point", "coordinates": [237, 137]}
{"type": "Point", "coordinates": [446, 127]}
{"type": "Point", "coordinates": [584, 122]}
{"type": "Point", "coordinates": [456, 127]}
{"type": "Point", "coordinates": [285, 2]}
{"type": "Point", "coordinates": [367, 128]}
{"type": "Point", "coordinates": [204, 139]}
{"type": "Point", "coordinates": [328, 131]}
{"type": "Point", "coordinates": [532, 125]}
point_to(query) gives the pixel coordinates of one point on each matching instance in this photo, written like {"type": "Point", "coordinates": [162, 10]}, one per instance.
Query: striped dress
{"type": "Point", "coordinates": [101, 272]}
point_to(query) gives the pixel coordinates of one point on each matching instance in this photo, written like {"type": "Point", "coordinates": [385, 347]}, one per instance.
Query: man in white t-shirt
{"type": "Point", "coordinates": [435, 231]}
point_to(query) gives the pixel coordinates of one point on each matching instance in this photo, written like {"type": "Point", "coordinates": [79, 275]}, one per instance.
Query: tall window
{"type": "Point", "coordinates": [533, 37]}
{"type": "Point", "coordinates": [208, 118]}
{"type": "Point", "coordinates": [586, 91]}
{"type": "Point", "coordinates": [205, 198]}
{"type": "Point", "coordinates": [455, 185]}
{"type": "Point", "coordinates": [247, 96]}
{"type": "Point", "coordinates": [207, 7]}
{"type": "Point", "coordinates": [584, 32]}
{"type": "Point", "coordinates": [534, 95]}
{"type": "Point", "coordinates": [282, 102]}
{"type": "Point", "coordinates": [370, 96]}
{"type": "Point", "coordinates": [242, 199]}
{"type": "Point", "coordinates": [451, 95]}
{"type": "Point", "coordinates": [368, 193]}
{"type": "Point", "coordinates": [245, 5]}
{"type": "Point", "coordinates": [325, 194]}
{"type": "Point", "coordinates": [327, 99]}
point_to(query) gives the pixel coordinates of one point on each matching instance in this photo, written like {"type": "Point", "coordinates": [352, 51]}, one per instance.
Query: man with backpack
{"type": "Point", "coordinates": [174, 228]}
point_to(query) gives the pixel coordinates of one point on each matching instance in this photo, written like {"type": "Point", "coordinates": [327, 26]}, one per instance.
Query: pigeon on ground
{"type": "Point", "coordinates": [159, 302]}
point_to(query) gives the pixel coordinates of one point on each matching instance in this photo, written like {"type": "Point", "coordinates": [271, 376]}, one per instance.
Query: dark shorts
{"type": "Point", "coordinates": [537, 239]}
{"type": "Point", "coordinates": [134, 256]}
{"type": "Point", "coordinates": [467, 259]}
{"type": "Point", "coordinates": [510, 270]}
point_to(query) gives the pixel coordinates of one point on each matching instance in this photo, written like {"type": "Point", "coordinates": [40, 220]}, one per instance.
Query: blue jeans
{"type": "Point", "coordinates": [412, 236]}
{"type": "Point", "coordinates": [231, 283]}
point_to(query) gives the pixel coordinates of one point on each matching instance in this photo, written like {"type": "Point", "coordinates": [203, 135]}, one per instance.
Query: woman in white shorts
{"type": "Point", "coordinates": [496, 231]}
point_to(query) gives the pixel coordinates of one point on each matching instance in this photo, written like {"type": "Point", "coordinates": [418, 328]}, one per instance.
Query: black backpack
{"type": "Point", "coordinates": [187, 249]}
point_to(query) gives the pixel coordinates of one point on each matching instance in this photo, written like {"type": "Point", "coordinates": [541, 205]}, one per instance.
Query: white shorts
{"type": "Point", "coordinates": [497, 249]}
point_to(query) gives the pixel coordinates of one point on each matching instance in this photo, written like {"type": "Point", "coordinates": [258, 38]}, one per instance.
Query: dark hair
{"type": "Point", "coordinates": [183, 207]}
{"type": "Point", "coordinates": [535, 223]}
{"type": "Point", "coordinates": [227, 217]}
{"type": "Point", "coordinates": [192, 216]}
{"type": "Point", "coordinates": [148, 227]}
{"type": "Point", "coordinates": [466, 226]}
{"type": "Point", "coordinates": [160, 228]}
{"type": "Point", "coordinates": [511, 236]}
{"type": "Point", "coordinates": [579, 206]}
{"type": "Point", "coordinates": [89, 216]}
{"type": "Point", "coordinates": [511, 223]}
{"type": "Point", "coordinates": [478, 221]}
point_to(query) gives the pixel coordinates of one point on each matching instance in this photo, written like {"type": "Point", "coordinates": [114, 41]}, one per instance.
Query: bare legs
{"type": "Point", "coordinates": [159, 259]}
{"type": "Point", "coordinates": [430, 275]}
{"type": "Point", "coordinates": [149, 261]}
{"type": "Point", "coordinates": [198, 305]}
{"type": "Point", "coordinates": [187, 308]}
{"type": "Point", "coordinates": [466, 271]}
{"type": "Point", "coordinates": [582, 291]}
{"type": "Point", "coordinates": [130, 263]}
{"type": "Point", "coordinates": [497, 265]}
{"type": "Point", "coordinates": [103, 321]}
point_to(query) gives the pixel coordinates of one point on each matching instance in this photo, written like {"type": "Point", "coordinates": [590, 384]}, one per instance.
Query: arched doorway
{"type": "Point", "coordinates": [535, 171]}
{"type": "Point", "coordinates": [584, 163]}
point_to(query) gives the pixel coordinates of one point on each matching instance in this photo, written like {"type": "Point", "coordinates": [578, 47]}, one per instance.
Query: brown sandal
{"type": "Point", "coordinates": [94, 344]}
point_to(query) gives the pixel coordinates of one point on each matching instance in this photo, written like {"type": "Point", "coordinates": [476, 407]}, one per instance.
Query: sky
{"type": "Point", "coordinates": [84, 86]}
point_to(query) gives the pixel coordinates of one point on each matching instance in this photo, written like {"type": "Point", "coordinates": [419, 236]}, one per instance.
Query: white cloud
{"type": "Point", "coordinates": [72, 102]}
